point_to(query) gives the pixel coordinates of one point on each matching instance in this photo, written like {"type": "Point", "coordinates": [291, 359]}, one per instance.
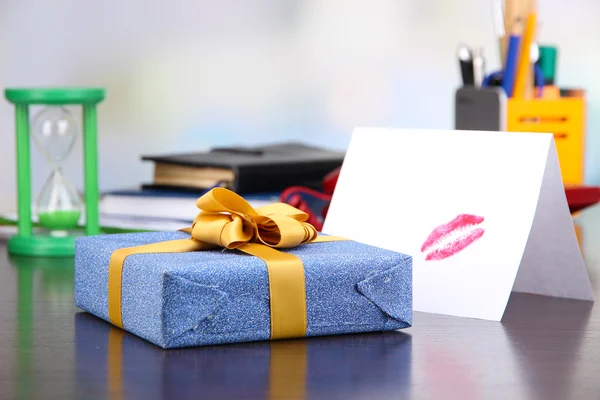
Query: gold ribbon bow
{"type": "Point", "coordinates": [227, 220]}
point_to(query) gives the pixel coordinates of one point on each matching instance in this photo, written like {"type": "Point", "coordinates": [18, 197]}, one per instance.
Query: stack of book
{"type": "Point", "coordinates": [162, 207]}
{"type": "Point", "coordinates": [258, 173]}
{"type": "Point", "coordinates": [259, 169]}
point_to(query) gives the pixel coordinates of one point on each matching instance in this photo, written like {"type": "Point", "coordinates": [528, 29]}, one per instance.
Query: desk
{"type": "Point", "coordinates": [545, 348]}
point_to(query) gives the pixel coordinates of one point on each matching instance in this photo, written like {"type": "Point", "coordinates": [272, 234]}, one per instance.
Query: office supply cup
{"type": "Point", "coordinates": [59, 210]}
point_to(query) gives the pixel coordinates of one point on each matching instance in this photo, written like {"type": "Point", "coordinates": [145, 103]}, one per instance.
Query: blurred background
{"type": "Point", "coordinates": [187, 75]}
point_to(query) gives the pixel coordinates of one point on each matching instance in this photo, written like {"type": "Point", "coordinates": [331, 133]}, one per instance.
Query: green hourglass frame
{"type": "Point", "coordinates": [26, 242]}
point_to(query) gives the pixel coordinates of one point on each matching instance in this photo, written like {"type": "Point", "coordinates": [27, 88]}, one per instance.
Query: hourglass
{"type": "Point", "coordinates": [58, 205]}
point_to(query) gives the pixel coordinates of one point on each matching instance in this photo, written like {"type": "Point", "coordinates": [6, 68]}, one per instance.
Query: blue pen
{"type": "Point", "coordinates": [508, 81]}
{"type": "Point", "coordinates": [538, 75]}
{"type": "Point", "coordinates": [538, 80]}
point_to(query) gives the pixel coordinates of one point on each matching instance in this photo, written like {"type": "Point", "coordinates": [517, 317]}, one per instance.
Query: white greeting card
{"type": "Point", "coordinates": [481, 213]}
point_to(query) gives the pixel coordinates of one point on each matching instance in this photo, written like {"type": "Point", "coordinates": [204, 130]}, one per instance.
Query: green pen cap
{"type": "Point", "coordinates": [547, 63]}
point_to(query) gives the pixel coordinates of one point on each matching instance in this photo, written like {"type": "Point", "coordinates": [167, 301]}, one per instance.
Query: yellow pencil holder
{"type": "Point", "coordinates": [565, 118]}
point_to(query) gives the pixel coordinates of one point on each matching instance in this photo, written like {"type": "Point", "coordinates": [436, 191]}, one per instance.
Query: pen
{"type": "Point", "coordinates": [478, 67]}
{"type": "Point", "coordinates": [534, 53]}
{"type": "Point", "coordinates": [508, 80]}
{"type": "Point", "coordinates": [538, 80]}
{"type": "Point", "coordinates": [465, 60]}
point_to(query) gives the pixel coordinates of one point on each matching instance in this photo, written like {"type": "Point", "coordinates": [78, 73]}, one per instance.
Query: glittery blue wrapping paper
{"type": "Point", "coordinates": [222, 296]}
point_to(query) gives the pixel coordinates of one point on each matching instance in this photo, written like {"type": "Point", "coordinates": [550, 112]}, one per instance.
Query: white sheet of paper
{"type": "Point", "coordinates": [503, 190]}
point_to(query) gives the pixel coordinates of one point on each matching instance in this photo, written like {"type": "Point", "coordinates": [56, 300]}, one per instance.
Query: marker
{"type": "Point", "coordinates": [478, 67]}
{"type": "Point", "coordinates": [547, 63]}
{"type": "Point", "coordinates": [465, 60]}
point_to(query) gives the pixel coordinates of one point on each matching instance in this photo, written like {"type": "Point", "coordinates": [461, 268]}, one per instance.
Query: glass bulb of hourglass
{"type": "Point", "coordinates": [58, 204]}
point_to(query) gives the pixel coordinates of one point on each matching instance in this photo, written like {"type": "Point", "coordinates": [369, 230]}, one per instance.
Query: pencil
{"type": "Point", "coordinates": [511, 61]}
{"type": "Point", "coordinates": [524, 65]}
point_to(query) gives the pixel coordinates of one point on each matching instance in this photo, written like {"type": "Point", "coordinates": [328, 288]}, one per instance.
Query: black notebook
{"type": "Point", "coordinates": [265, 168]}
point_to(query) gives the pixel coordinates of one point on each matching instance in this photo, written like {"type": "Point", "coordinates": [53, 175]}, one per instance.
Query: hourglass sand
{"type": "Point", "coordinates": [58, 206]}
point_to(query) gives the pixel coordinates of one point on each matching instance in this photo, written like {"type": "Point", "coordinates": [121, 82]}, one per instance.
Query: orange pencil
{"type": "Point", "coordinates": [524, 65]}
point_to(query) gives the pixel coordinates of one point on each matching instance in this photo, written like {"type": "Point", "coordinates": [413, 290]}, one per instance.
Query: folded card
{"type": "Point", "coordinates": [481, 213]}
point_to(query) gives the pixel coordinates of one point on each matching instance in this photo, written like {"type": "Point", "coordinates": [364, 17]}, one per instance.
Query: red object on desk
{"type": "Point", "coordinates": [580, 197]}
{"type": "Point", "coordinates": [314, 203]}
{"type": "Point", "coordinates": [310, 201]}
{"type": "Point", "coordinates": [330, 181]}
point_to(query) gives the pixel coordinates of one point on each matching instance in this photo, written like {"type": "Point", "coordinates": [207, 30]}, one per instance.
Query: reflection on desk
{"type": "Point", "coordinates": [110, 361]}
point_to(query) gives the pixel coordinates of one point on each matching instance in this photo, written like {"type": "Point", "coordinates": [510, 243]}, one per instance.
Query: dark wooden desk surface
{"type": "Point", "coordinates": [544, 349]}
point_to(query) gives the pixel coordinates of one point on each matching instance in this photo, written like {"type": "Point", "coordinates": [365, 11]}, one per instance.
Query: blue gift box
{"type": "Point", "coordinates": [222, 296]}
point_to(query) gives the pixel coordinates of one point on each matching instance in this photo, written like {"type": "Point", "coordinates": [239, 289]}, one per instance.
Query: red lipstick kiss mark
{"type": "Point", "coordinates": [448, 239]}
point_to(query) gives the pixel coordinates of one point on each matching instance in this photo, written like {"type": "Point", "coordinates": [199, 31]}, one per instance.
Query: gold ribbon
{"type": "Point", "coordinates": [226, 220]}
